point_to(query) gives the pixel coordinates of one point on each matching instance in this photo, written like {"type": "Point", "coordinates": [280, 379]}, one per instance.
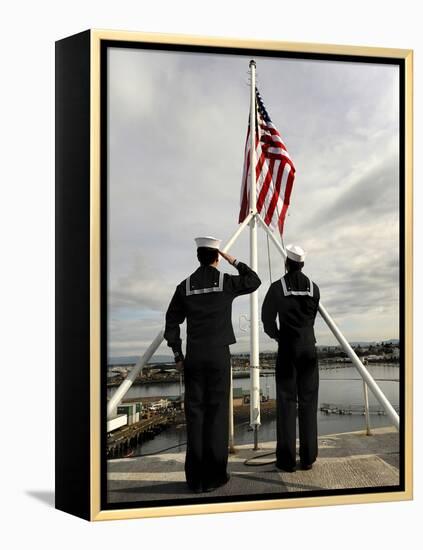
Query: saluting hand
{"type": "Point", "coordinates": [227, 257]}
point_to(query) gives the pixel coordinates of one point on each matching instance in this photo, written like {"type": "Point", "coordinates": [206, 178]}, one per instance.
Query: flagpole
{"type": "Point", "coordinates": [254, 340]}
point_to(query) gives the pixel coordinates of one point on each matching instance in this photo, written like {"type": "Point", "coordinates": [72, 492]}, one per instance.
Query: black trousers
{"type": "Point", "coordinates": [297, 379]}
{"type": "Point", "coordinates": [207, 384]}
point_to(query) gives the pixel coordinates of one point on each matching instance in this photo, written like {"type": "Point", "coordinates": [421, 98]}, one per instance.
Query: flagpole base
{"type": "Point", "coordinates": [256, 428]}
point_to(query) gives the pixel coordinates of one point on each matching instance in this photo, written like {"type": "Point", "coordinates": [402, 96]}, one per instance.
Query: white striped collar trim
{"type": "Point", "coordinates": [287, 292]}
{"type": "Point", "coordinates": [218, 288]}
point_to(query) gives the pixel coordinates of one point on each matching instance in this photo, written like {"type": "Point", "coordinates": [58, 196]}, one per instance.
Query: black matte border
{"type": "Point", "coordinates": [105, 44]}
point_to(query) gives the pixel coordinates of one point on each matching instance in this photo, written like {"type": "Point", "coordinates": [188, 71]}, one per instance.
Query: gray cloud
{"type": "Point", "coordinates": [374, 190]}
{"type": "Point", "coordinates": [177, 127]}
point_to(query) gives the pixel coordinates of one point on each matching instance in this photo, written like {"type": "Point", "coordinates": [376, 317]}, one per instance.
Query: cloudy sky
{"type": "Point", "coordinates": [177, 127]}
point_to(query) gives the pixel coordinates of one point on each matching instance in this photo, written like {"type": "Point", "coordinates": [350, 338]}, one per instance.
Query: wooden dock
{"type": "Point", "coordinates": [121, 441]}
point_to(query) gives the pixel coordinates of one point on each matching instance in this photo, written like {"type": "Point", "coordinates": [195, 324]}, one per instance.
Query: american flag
{"type": "Point", "coordinates": [275, 172]}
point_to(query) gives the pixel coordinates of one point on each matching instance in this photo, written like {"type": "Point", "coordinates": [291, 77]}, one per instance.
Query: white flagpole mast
{"type": "Point", "coordinates": [254, 341]}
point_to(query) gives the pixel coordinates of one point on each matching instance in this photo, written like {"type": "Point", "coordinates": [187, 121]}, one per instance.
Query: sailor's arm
{"type": "Point", "coordinates": [269, 313]}
{"type": "Point", "coordinates": [316, 294]}
{"type": "Point", "coordinates": [175, 315]}
{"type": "Point", "coordinates": [246, 282]}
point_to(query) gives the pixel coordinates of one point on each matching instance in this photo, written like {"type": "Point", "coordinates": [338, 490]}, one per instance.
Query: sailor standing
{"type": "Point", "coordinates": [204, 299]}
{"type": "Point", "coordinates": [294, 299]}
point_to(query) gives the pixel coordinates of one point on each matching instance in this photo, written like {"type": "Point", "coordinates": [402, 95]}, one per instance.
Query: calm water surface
{"type": "Point", "coordinates": [339, 385]}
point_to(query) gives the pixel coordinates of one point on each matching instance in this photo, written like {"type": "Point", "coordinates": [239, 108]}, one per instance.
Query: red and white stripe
{"type": "Point", "coordinates": [275, 174]}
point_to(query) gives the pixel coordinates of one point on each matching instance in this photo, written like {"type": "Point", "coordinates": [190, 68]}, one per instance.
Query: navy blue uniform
{"type": "Point", "coordinates": [205, 299]}
{"type": "Point", "coordinates": [294, 299]}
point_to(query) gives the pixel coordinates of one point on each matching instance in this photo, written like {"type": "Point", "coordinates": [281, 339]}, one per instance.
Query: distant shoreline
{"type": "Point", "coordinates": [174, 378]}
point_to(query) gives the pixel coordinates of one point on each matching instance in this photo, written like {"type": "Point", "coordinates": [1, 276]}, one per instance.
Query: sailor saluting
{"type": "Point", "coordinates": [204, 299]}
{"type": "Point", "coordinates": [294, 299]}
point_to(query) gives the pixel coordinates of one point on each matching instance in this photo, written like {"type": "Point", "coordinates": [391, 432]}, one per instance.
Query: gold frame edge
{"type": "Point", "coordinates": [96, 514]}
{"type": "Point", "coordinates": [408, 276]}
{"type": "Point", "coordinates": [95, 278]}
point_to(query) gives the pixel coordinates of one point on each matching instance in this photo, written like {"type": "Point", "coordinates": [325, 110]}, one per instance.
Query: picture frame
{"type": "Point", "coordinates": [82, 271]}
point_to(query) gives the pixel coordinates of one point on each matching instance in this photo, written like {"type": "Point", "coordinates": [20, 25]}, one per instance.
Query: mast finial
{"type": "Point", "coordinates": [252, 62]}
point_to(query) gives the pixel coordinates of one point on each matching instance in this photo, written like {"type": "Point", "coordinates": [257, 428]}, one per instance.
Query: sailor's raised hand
{"type": "Point", "coordinates": [227, 257]}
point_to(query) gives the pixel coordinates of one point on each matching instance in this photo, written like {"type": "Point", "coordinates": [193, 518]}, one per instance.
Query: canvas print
{"type": "Point", "coordinates": [253, 277]}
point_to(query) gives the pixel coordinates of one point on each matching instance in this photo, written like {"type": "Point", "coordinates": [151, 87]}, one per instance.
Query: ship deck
{"type": "Point", "coordinates": [346, 461]}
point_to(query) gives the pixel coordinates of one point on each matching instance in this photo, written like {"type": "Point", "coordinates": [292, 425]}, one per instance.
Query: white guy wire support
{"type": "Point", "coordinates": [129, 380]}
{"type": "Point", "coordinates": [237, 233]}
{"type": "Point", "coordinates": [364, 373]}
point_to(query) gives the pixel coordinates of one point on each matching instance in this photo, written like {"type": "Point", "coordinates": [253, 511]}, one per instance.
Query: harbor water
{"type": "Point", "coordinates": [339, 385]}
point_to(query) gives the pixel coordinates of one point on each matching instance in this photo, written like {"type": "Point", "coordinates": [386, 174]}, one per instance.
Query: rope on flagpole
{"type": "Point", "coordinates": [268, 258]}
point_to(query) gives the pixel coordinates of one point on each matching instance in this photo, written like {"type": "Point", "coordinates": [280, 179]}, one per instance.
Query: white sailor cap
{"type": "Point", "coordinates": [209, 242]}
{"type": "Point", "coordinates": [295, 253]}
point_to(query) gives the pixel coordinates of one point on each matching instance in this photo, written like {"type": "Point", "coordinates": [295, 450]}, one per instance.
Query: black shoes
{"type": "Point", "coordinates": [285, 468]}
{"type": "Point", "coordinates": [198, 488]}
{"type": "Point", "coordinates": [195, 488]}
{"type": "Point", "coordinates": [214, 486]}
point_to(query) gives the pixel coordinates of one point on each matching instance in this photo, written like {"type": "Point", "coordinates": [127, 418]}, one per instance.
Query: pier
{"type": "Point", "coordinates": [345, 461]}
{"type": "Point", "coordinates": [329, 408]}
{"type": "Point", "coordinates": [121, 441]}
